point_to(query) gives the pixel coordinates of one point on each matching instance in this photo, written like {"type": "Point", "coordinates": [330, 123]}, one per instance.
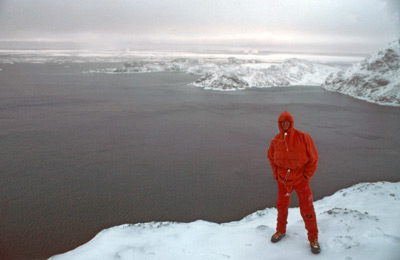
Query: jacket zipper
{"type": "Point", "coordinates": [284, 138]}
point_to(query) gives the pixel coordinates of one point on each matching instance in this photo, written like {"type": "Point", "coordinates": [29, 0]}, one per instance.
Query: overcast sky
{"type": "Point", "coordinates": [288, 25]}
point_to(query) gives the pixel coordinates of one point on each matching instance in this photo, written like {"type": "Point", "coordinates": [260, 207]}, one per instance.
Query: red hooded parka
{"type": "Point", "coordinates": [292, 155]}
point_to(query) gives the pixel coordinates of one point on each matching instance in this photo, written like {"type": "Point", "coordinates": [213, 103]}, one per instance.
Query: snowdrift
{"type": "Point", "coordinates": [360, 222]}
{"type": "Point", "coordinates": [375, 79]}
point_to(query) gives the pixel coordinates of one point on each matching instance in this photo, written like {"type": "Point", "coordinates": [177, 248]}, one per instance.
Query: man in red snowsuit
{"type": "Point", "coordinates": [294, 158]}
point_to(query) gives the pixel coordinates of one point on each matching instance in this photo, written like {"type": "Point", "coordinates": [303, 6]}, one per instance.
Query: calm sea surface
{"type": "Point", "coordinates": [84, 152]}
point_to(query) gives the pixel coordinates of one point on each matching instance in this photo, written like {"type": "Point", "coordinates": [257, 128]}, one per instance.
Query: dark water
{"type": "Point", "coordinates": [84, 152]}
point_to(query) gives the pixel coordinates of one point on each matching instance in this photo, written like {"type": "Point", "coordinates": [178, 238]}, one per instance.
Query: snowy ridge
{"type": "Point", "coordinates": [290, 72]}
{"type": "Point", "coordinates": [217, 71]}
{"type": "Point", "coordinates": [235, 74]}
{"type": "Point", "coordinates": [360, 222]}
{"type": "Point", "coordinates": [375, 79]}
{"type": "Point", "coordinates": [193, 66]}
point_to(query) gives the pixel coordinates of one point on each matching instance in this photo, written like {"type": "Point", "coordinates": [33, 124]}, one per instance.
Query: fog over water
{"type": "Point", "coordinates": [83, 152]}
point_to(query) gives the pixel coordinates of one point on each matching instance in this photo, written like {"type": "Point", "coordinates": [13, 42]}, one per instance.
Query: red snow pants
{"type": "Point", "coordinates": [307, 211]}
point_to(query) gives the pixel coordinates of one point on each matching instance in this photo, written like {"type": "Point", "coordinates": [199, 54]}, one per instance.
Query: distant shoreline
{"type": "Point", "coordinates": [123, 55]}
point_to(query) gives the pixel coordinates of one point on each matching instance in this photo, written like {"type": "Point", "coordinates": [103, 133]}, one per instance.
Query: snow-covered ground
{"type": "Point", "coordinates": [375, 79]}
{"type": "Point", "coordinates": [235, 74]}
{"type": "Point", "coordinates": [240, 75]}
{"type": "Point", "coordinates": [360, 222]}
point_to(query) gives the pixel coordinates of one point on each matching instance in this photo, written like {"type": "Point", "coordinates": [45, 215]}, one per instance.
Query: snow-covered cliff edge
{"type": "Point", "coordinates": [360, 222]}
{"type": "Point", "coordinates": [375, 79]}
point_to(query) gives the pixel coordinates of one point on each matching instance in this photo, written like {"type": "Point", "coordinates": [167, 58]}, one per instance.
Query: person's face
{"type": "Point", "coordinates": [285, 124]}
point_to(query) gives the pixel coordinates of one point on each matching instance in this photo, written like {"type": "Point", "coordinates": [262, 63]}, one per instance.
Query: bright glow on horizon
{"type": "Point", "coordinates": [298, 25]}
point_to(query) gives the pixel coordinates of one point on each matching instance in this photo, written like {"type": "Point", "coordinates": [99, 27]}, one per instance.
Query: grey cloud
{"type": "Point", "coordinates": [194, 20]}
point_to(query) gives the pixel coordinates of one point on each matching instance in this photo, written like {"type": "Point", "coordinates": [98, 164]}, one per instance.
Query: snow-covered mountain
{"type": "Point", "coordinates": [375, 79]}
{"type": "Point", "coordinates": [236, 74]}
{"type": "Point", "coordinates": [290, 72]}
{"type": "Point", "coordinates": [360, 222]}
